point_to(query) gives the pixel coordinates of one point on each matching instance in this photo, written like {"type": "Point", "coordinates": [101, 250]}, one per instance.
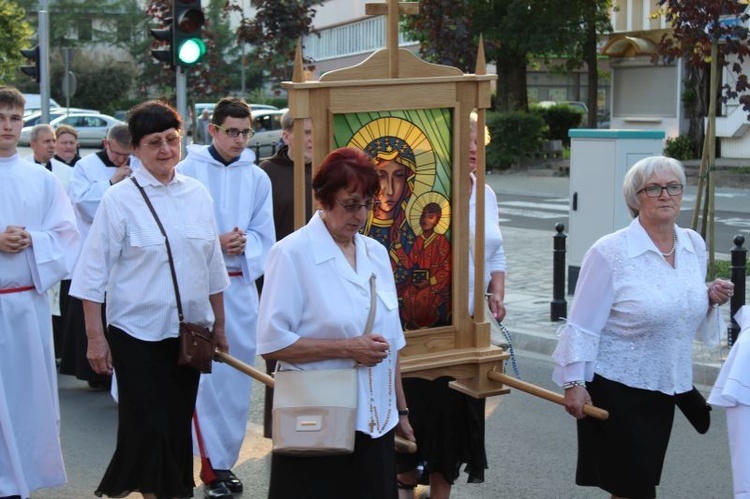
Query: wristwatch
{"type": "Point", "coordinates": [403, 412]}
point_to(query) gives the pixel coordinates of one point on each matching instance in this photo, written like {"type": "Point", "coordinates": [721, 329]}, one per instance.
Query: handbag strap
{"type": "Point", "coordinates": [169, 248]}
{"type": "Point", "coordinates": [373, 305]}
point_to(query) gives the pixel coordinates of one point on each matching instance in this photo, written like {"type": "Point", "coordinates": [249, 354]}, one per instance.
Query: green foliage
{"type": "Point", "coordinates": [695, 26]}
{"type": "Point", "coordinates": [722, 268]}
{"type": "Point", "coordinates": [514, 31]}
{"type": "Point", "coordinates": [443, 28]}
{"type": "Point", "coordinates": [102, 83]}
{"type": "Point", "coordinates": [274, 31]}
{"type": "Point", "coordinates": [257, 97]}
{"type": "Point", "coordinates": [559, 119]}
{"type": "Point", "coordinates": [514, 136]}
{"type": "Point", "coordinates": [15, 34]}
{"type": "Point", "coordinates": [681, 148]}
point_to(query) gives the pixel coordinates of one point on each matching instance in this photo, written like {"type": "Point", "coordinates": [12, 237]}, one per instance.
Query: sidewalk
{"type": "Point", "coordinates": [529, 279]}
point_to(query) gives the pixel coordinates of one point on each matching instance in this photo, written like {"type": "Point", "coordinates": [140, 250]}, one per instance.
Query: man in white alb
{"type": "Point", "coordinates": [244, 219]}
{"type": "Point", "coordinates": [37, 248]}
{"type": "Point", "coordinates": [92, 176]}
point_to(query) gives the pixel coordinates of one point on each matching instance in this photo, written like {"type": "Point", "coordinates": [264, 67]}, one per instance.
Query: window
{"type": "Point", "coordinates": [85, 30]}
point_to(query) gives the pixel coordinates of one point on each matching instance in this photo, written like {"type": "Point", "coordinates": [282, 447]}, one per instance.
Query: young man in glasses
{"type": "Point", "coordinates": [244, 219]}
{"type": "Point", "coordinates": [91, 178]}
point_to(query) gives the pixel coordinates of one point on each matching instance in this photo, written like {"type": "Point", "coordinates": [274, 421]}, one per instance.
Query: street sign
{"type": "Point", "coordinates": [69, 84]}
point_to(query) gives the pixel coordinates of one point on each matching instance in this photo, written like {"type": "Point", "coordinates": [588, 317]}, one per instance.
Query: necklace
{"type": "Point", "coordinates": [674, 247]}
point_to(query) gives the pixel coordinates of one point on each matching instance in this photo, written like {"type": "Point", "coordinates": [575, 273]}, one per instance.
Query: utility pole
{"type": "Point", "coordinates": [44, 88]}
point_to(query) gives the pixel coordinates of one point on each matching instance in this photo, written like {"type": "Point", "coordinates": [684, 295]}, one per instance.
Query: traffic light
{"type": "Point", "coordinates": [188, 45]}
{"type": "Point", "coordinates": [165, 51]}
{"type": "Point", "coordinates": [32, 69]}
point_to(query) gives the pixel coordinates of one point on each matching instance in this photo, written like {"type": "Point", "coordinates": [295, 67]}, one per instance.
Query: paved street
{"type": "Point", "coordinates": [530, 442]}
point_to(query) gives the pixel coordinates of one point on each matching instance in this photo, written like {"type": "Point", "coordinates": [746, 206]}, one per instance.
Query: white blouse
{"type": "Point", "coordinates": [125, 257]}
{"type": "Point", "coordinates": [311, 291]}
{"type": "Point", "coordinates": [634, 317]}
{"type": "Point", "coordinates": [494, 254]}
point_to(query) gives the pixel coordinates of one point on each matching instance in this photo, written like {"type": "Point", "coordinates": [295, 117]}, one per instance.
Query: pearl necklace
{"type": "Point", "coordinates": [674, 247]}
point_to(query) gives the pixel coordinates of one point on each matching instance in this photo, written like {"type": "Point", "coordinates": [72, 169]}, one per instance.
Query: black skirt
{"type": "Point", "coordinates": [368, 473]}
{"type": "Point", "coordinates": [624, 455]}
{"type": "Point", "coordinates": [75, 343]}
{"type": "Point", "coordinates": [154, 452]}
{"type": "Point", "coordinates": [449, 427]}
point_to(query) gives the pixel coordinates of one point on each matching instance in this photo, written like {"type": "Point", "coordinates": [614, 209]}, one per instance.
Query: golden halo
{"type": "Point", "coordinates": [416, 205]}
{"type": "Point", "coordinates": [424, 155]}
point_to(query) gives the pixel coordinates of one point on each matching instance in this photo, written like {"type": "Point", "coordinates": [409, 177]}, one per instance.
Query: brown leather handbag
{"type": "Point", "coordinates": [197, 343]}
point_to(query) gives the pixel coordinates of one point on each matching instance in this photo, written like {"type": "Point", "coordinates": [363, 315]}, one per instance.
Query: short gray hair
{"type": "Point", "coordinates": [287, 122]}
{"type": "Point", "coordinates": [37, 130]}
{"type": "Point", "coordinates": [120, 134]}
{"type": "Point", "coordinates": [638, 175]}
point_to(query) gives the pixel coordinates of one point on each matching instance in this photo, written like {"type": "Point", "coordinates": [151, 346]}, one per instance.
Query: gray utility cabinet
{"type": "Point", "coordinates": [599, 160]}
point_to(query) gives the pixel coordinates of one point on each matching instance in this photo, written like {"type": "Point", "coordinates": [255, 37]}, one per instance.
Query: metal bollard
{"type": "Point", "coordinates": [256, 149]}
{"type": "Point", "coordinates": [737, 275]}
{"type": "Point", "coordinates": [558, 305]}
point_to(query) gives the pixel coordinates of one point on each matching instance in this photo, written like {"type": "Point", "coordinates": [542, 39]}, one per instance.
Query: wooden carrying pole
{"type": "Point", "coordinates": [402, 445]}
{"type": "Point", "coordinates": [588, 409]}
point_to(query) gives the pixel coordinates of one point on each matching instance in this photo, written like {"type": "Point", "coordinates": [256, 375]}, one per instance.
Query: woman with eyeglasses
{"type": "Point", "coordinates": [641, 299]}
{"type": "Point", "coordinates": [125, 255]}
{"type": "Point", "coordinates": [313, 311]}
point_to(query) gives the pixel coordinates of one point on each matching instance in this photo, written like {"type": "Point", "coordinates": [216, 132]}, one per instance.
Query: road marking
{"type": "Point", "coordinates": [527, 204]}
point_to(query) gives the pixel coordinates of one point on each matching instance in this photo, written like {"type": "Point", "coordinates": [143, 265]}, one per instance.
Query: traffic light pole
{"type": "Point", "coordinates": [181, 98]}
{"type": "Point", "coordinates": [44, 88]}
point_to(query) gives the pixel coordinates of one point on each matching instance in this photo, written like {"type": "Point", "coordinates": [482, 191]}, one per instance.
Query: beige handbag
{"type": "Point", "coordinates": [315, 411]}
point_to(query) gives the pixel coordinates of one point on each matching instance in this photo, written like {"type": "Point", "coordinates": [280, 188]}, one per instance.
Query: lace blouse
{"type": "Point", "coordinates": [634, 317]}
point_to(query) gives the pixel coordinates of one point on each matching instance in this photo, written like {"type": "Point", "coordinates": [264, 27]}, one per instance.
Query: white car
{"type": "Point", "coordinates": [267, 138]}
{"type": "Point", "coordinates": [36, 117]}
{"type": "Point", "coordinates": [91, 127]}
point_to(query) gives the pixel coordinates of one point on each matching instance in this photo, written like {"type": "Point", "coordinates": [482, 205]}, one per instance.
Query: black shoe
{"type": "Point", "coordinates": [216, 490]}
{"type": "Point", "coordinates": [230, 480]}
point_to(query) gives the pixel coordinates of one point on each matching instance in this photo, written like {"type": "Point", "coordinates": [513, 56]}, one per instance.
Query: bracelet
{"type": "Point", "coordinates": [572, 384]}
{"type": "Point", "coordinates": [403, 412]}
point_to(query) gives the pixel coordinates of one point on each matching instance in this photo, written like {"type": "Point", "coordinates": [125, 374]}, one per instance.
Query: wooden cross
{"type": "Point", "coordinates": [392, 9]}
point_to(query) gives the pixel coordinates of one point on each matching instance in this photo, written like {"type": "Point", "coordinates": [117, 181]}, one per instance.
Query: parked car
{"type": "Point", "coordinates": [34, 103]}
{"type": "Point", "coordinates": [267, 126]}
{"type": "Point", "coordinates": [91, 127]}
{"type": "Point", "coordinates": [577, 105]}
{"type": "Point", "coordinates": [36, 117]}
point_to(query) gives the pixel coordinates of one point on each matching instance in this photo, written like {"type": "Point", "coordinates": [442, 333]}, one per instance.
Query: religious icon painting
{"type": "Point", "coordinates": [412, 213]}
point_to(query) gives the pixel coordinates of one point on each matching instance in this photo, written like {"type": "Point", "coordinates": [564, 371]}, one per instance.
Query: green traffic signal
{"type": "Point", "coordinates": [191, 51]}
{"type": "Point", "coordinates": [187, 37]}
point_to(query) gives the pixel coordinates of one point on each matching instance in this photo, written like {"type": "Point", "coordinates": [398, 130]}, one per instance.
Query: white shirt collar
{"type": "Point", "coordinates": [639, 242]}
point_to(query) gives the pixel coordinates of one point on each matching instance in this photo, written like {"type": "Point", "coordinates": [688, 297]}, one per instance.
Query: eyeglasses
{"type": "Point", "coordinates": [351, 207]}
{"type": "Point", "coordinates": [156, 144]}
{"type": "Point", "coordinates": [115, 152]}
{"type": "Point", "coordinates": [654, 191]}
{"type": "Point", "coordinates": [233, 133]}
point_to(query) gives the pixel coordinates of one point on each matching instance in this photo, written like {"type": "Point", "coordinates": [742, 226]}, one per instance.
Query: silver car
{"type": "Point", "coordinates": [91, 127]}
{"type": "Point", "coordinates": [267, 138]}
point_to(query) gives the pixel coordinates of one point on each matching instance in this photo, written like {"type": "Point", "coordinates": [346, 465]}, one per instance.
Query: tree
{"type": "Point", "coordinates": [15, 33]}
{"type": "Point", "coordinates": [514, 31]}
{"type": "Point", "coordinates": [695, 25]}
{"type": "Point", "coordinates": [274, 31]}
{"type": "Point", "coordinates": [102, 82]}
{"type": "Point", "coordinates": [713, 32]}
